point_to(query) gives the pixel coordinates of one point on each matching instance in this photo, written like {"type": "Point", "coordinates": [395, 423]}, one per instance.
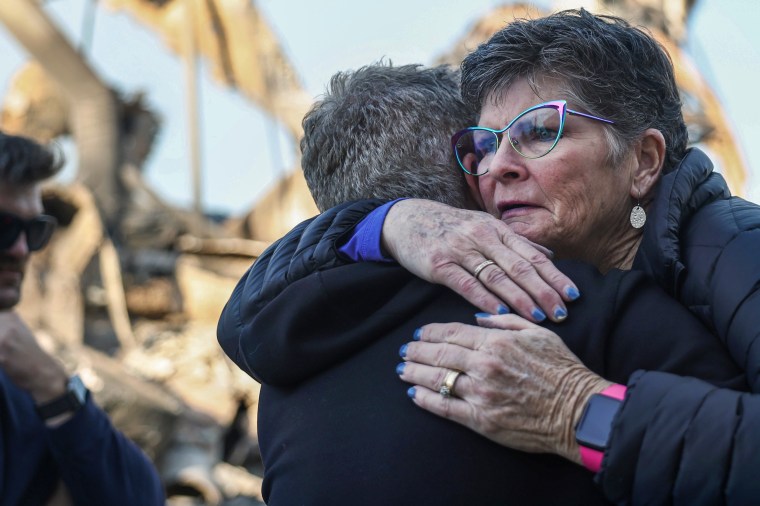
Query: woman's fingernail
{"type": "Point", "coordinates": [417, 334]}
{"type": "Point", "coordinates": [503, 310]}
{"type": "Point", "coordinates": [559, 314]}
{"type": "Point", "coordinates": [411, 392]}
{"type": "Point", "coordinates": [572, 292]}
{"type": "Point", "coordinates": [538, 315]}
{"type": "Point", "coordinates": [400, 368]}
{"type": "Point", "coordinates": [402, 351]}
{"type": "Point", "coordinates": [483, 315]}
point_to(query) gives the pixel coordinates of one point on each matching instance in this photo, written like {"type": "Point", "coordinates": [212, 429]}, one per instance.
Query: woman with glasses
{"type": "Point", "coordinates": [581, 179]}
{"type": "Point", "coordinates": [581, 147]}
{"type": "Point", "coordinates": [584, 185]}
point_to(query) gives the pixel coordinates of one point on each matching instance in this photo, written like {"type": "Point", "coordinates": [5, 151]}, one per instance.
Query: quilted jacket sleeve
{"type": "Point", "coordinates": [733, 283]}
{"type": "Point", "coordinates": [309, 247]}
{"type": "Point", "coordinates": [682, 441]}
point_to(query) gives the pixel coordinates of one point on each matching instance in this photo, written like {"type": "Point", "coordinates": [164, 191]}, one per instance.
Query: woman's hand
{"type": "Point", "coordinates": [445, 245]}
{"type": "Point", "coordinates": [520, 386]}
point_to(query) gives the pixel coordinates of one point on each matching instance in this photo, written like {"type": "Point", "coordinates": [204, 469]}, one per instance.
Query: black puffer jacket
{"type": "Point", "coordinates": [308, 248]}
{"type": "Point", "coordinates": [676, 440]}
{"type": "Point", "coordinates": [679, 440]}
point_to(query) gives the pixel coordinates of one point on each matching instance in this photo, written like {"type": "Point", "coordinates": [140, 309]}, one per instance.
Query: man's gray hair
{"type": "Point", "coordinates": [384, 132]}
{"type": "Point", "coordinates": [24, 161]}
{"type": "Point", "coordinates": [605, 66]}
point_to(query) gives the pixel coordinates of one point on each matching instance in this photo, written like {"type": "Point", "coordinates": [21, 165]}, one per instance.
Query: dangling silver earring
{"type": "Point", "coordinates": [638, 215]}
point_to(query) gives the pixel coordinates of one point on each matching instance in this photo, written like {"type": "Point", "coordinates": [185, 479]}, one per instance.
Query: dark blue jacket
{"type": "Point", "coordinates": [97, 463]}
{"type": "Point", "coordinates": [676, 440]}
{"type": "Point", "coordinates": [308, 248]}
{"type": "Point", "coordinates": [679, 440]}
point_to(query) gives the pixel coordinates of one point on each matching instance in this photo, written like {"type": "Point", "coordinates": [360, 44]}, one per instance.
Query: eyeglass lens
{"type": "Point", "coordinates": [533, 134]}
{"type": "Point", "coordinates": [38, 230]}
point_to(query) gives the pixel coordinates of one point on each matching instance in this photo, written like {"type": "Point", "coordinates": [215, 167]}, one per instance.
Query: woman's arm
{"type": "Point", "coordinates": [732, 285]}
{"type": "Point", "coordinates": [430, 239]}
{"type": "Point", "coordinates": [309, 247]}
{"type": "Point", "coordinates": [445, 245]}
{"type": "Point", "coordinates": [523, 388]}
{"type": "Point", "coordinates": [683, 441]}
{"type": "Point", "coordinates": [675, 440]}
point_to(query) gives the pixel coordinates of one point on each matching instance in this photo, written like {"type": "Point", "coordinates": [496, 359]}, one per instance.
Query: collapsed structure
{"type": "Point", "coordinates": [129, 290]}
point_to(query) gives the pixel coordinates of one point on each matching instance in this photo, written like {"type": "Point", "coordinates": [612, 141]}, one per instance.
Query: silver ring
{"type": "Point", "coordinates": [482, 265]}
{"type": "Point", "coordinates": [447, 389]}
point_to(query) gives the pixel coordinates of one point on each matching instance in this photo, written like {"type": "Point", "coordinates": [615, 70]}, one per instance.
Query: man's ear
{"type": "Point", "coordinates": [475, 198]}
{"type": "Point", "coordinates": [649, 157]}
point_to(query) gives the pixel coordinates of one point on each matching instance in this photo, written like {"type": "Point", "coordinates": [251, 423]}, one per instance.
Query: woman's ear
{"type": "Point", "coordinates": [650, 158]}
{"type": "Point", "coordinates": [475, 197]}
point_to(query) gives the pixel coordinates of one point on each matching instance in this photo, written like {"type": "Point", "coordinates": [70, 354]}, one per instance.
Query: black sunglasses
{"type": "Point", "coordinates": [38, 230]}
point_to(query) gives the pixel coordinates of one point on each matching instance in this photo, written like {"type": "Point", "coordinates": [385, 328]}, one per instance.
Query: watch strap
{"type": "Point", "coordinates": [71, 400]}
{"type": "Point", "coordinates": [591, 458]}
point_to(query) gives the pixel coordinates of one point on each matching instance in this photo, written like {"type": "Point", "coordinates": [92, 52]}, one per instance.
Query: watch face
{"type": "Point", "coordinates": [594, 427]}
{"type": "Point", "coordinates": [77, 388]}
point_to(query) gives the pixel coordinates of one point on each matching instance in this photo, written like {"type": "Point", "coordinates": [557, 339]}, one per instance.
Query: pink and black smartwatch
{"type": "Point", "coordinates": [593, 430]}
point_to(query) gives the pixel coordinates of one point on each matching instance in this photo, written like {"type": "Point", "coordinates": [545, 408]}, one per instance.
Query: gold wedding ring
{"type": "Point", "coordinates": [447, 389]}
{"type": "Point", "coordinates": [482, 265]}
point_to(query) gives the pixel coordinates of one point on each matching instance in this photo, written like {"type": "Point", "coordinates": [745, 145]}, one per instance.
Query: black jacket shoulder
{"type": "Point", "coordinates": [308, 248]}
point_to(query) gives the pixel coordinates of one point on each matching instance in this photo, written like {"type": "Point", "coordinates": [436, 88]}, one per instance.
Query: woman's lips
{"type": "Point", "coordinates": [514, 209]}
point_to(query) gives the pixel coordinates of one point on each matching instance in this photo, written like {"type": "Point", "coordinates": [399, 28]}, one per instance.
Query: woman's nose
{"type": "Point", "coordinates": [507, 163]}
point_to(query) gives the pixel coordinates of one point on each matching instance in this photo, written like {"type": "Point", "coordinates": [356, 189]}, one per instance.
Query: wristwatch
{"type": "Point", "coordinates": [70, 402]}
{"type": "Point", "coordinates": [593, 430]}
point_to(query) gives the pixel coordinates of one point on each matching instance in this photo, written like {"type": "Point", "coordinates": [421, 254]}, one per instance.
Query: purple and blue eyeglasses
{"type": "Point", "coordinates": [533, 134]}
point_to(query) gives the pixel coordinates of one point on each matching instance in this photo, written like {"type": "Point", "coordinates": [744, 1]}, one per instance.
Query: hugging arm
{"type": "Point", "coordinates": [438, 243]}
{"type": "Point", "coordinates": [324, 318]}
{"type": "Point", "coordinates": [308, 248]}
{"type": "Point", "coordinates": [445, 245]}
{"type": "Point", "coordinates": [733, 287]}
{"type": "Point", "coordinates": [675, 438]}
{"type": "Point", "coordinates": [683, 441]}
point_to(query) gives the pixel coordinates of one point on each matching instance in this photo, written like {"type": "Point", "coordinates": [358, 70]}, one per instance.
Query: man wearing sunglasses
{"type": "Point", "coordinates": [57, 447]}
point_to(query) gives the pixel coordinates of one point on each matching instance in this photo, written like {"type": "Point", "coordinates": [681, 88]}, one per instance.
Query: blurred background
{"type": "Point", "coordinates": [180, 122]}
{"type": "Point", "coordinates": [239, 142]}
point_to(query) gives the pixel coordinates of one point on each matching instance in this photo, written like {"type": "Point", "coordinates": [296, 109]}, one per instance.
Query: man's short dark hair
{"type": "Point", "coordinates": [25, 161]}
{"type": "Point", "coordinates": [384, 132]}
{"type": "Point", "coordinates": [604, 65]}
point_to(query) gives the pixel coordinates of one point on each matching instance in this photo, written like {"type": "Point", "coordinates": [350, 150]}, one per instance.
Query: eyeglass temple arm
{"type": "Point", "coordinates": [589, 116]}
